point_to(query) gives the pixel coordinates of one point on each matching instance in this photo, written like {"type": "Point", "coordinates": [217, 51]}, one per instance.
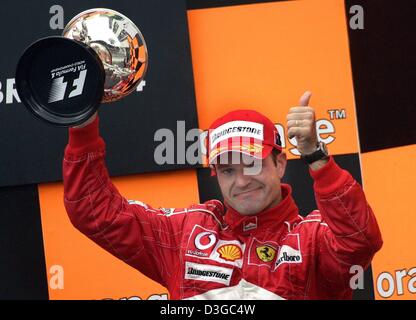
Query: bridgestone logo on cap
{"type": "Point", "coordinates": [201, 272]}
{"type": "Point", "coordinates": [236, 129]}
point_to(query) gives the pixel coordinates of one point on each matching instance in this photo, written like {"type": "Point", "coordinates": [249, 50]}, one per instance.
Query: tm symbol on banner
{"type": "Point", "coordinates": [337, 114]}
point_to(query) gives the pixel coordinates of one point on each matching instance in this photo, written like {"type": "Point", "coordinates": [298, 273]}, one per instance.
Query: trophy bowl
{"type": "Point", "coordinates": [118, 43]}
{"type": "Point", "coordinates": [101, 57]}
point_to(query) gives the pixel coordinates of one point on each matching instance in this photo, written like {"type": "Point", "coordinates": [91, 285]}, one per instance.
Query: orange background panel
{"type": "Point", "coordinates": [389, 180]}
{"type": "Point", "coordinates": [264, 56]}
{"type": "Point", "coordinates": [89, 271]}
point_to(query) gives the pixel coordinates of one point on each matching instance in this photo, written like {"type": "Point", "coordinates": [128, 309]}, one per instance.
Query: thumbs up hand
{"type": "Point", "coordinates": [301, 125]}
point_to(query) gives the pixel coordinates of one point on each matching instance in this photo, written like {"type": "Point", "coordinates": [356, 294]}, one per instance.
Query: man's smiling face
{"type": "Point", "coordinates": [251, 193]}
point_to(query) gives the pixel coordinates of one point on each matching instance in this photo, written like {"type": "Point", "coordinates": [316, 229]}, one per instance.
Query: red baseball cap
{"type": "Point", "coordinates": [244, 131]}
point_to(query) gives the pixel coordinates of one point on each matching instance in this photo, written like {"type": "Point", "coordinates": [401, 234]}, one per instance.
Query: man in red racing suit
{"type": "Point", "coordinates": [208, 251]}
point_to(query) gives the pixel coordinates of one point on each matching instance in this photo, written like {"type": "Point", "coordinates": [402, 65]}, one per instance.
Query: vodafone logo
{"type": "Point", "coordinates": [207, 244]}
{"type": "Point", "coordinates": [205, 240]}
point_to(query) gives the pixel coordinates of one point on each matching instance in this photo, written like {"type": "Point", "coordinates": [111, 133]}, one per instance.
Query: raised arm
{"type": "Point", "coordinates": [143, 237]}
{"type": "Point", "coordinates": [349, 234]}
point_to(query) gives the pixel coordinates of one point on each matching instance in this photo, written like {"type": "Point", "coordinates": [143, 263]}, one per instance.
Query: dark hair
{"type": "Point", "coordinates": [275, 153]}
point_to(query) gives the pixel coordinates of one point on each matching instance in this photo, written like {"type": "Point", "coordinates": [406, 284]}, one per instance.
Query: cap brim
{"type": "Point", "coordinates": [254, 150]}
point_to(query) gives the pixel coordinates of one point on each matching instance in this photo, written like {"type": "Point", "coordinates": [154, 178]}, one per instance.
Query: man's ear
{"type": "Point", "coordinates": [281, 164]}
{"type": "Point", "coordinates": [213, 170]}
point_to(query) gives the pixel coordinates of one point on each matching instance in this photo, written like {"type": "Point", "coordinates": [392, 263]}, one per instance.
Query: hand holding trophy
{"type": "Point", "coordinates": [101, 57]}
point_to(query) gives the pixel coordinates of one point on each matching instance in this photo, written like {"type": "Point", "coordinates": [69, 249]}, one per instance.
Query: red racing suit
{"type": "Point", "coordinates": [207, 251]}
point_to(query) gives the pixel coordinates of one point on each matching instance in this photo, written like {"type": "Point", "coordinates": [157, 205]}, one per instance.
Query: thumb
{"type": "Point", "coordinates": [304, 100]}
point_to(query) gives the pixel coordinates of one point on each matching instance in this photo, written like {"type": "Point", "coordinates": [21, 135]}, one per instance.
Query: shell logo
{"type": "Point", "coordinates": [230, 252]}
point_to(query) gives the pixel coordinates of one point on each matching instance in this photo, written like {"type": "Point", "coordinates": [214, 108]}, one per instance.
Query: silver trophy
{"type": "Point", "coordinates": [119, 44]}
{"type": "Point", "coordinates": [101, 57]}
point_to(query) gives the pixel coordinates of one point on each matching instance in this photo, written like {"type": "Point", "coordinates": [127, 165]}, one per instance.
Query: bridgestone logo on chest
{"type": "Point", "coordinates": [210, 273]}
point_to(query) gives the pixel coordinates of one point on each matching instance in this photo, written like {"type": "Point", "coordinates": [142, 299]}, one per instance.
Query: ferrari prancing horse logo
{"type": "Point", "coordinates": [266, 253]}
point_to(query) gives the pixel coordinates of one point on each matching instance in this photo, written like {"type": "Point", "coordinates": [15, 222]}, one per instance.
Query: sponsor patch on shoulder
{"type": "Point", "coordinates": [204, 272]}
